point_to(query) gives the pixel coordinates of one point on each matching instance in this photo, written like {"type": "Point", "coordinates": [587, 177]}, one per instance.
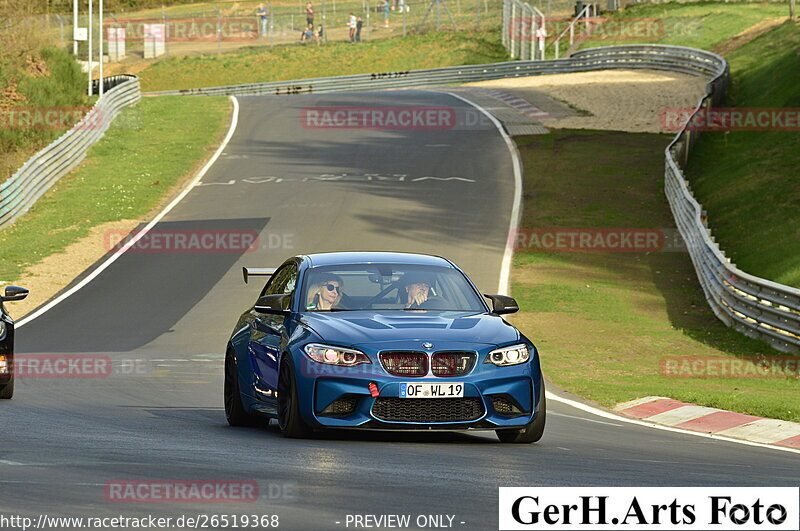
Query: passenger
{"type": "Point", "coordinates": [325, 293]}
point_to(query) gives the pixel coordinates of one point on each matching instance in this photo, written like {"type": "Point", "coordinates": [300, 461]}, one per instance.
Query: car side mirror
{"type": "Point", "coordinates": [502, 304]}
{"type": "Point", "coordinates": [273, 304]}
{"type": "Point", "coordinates": [14, 293]}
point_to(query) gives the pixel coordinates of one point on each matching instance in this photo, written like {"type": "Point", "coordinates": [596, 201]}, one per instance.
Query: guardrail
{"type": "Point", "coordinates": [51, 163]}
{"type": "Point", "coordinates": [754, 306]}
{"type": "Point", "coordinates": [673, 58]}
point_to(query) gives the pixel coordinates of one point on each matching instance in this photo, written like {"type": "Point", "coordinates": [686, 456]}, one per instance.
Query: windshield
{"type": "Point", "coordinates": [388, 287]}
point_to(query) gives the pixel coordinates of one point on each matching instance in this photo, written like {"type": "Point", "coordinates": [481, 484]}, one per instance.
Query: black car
{"type": "Point", "coordinates": [13, 293]}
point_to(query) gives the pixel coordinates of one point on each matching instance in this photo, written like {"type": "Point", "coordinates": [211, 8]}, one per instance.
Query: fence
{"type": "Point", "coordinates": [189, 30]}
{"type": "Point", "coordinates": [523, 30]}
{"type": "Point", "coordinates": [47, 166]}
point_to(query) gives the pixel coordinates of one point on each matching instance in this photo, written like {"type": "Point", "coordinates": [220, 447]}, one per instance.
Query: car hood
{"type": "Point", "coordinates": [444, 329]}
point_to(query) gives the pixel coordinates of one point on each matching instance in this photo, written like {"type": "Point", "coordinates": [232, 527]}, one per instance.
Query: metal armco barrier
{"type": "Point", "coordinates": [47, 166]}
{"type": "Point", "coordinates": [673, 58]}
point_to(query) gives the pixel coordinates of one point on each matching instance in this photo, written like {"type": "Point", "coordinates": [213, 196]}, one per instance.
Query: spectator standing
{"type": "Point", "coordinates": [309, 13]}
{"type": "Point", "coordinates": [351, 26]}
{"type": "Point", "coordinates": [263, 19]}
{"type": "Point", "coordinates": [359, 25]}
{"type": "Point", "coordinates": [385, 6]}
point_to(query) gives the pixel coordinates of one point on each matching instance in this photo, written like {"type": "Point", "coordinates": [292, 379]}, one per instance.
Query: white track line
{"type": "Point", "coordinates": [505, 277]}
{"type": "Point", "coordinates": [516, 210]}
{"type": "Point", "coordinates": [113, 258]}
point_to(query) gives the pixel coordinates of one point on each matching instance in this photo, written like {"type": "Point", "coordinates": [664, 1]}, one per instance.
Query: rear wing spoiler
{"type": "Point", "coordinates": [257, 272]}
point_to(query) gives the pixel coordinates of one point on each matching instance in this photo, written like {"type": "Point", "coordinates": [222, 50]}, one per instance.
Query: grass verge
{"type": "Point", "coordinates": [748, 180]}
{"type": "Point", "coordinates": [606, 322]}
{"type": "Point", "coordinates": [150, 147]}
{"type": "Point", "coordinates": [698, 24]}
{"type": "Point", "coordinates": [263, 63]}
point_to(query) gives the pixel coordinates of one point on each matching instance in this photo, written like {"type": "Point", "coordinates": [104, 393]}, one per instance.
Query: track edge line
{"type": "Point", "coordinates": [113, 258]}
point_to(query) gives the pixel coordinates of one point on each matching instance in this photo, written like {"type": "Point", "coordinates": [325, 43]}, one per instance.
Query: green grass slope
{"type": "Point", "coordinates": [749, 181]}
{"type": "Point", "coordinates": [697, 24]}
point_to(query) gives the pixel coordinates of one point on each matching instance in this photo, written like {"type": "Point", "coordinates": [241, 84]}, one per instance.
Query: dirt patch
{"type": "Point", "coordinates": [36, 67]}
{"type": "Point", "coordinates": [617, 100]}
{"type": "Point", "coordinates": [9, 96]}
{"type": "Point", "coordinates": [742, 38]}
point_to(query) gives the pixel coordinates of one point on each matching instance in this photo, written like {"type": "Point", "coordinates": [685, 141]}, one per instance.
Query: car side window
{"type": "Point", "coordinates": [283, 281]}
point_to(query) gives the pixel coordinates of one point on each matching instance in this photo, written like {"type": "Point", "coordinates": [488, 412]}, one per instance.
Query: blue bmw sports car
{"type": "Point", "coordinates": [381, 341]}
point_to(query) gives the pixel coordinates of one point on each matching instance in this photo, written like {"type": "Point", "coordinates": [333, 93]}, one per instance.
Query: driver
{"type": "Point", "coordinates": [325, 293]}
{"type": "Point", "coordinates": [418, 288]}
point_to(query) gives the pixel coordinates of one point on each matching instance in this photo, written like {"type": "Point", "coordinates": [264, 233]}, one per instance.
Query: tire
{"type": "Point", "coordinates": [234, 409]}
{"type": "Point", "coordinates": [7, 391]}
{"type": "Point", "coordinates": [533, 431]}
{"type": "Point", "coordinates": [289, 419]}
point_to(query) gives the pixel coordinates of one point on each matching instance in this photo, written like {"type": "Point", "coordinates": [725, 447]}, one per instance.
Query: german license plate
{"type": "Point", "coordinates": [432, 390]}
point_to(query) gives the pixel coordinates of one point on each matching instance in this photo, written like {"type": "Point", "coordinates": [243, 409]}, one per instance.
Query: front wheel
{"type": "Point", "coordinates": [289, 418]}
{"type": "Point", "coordinates": [234, 409]}
{"type": "Point", "coordinates": [531, 432]}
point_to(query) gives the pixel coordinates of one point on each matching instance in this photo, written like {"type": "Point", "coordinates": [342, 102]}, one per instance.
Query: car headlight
{"type": "Point", "coordinates": [330, 355]}
{"type": "Point", "coordinates": [513, 355]}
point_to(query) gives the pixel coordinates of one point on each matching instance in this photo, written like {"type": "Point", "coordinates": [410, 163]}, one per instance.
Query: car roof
{"type": "Point", "coordinates": [338, 258]}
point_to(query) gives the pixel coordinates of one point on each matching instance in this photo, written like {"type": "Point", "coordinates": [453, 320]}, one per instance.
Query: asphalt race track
{"type": "Point", "coordinates": [442, 191]}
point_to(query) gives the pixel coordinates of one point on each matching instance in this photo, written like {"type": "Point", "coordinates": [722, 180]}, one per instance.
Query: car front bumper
{"type": "Point", "coordinates": [493, 398]}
